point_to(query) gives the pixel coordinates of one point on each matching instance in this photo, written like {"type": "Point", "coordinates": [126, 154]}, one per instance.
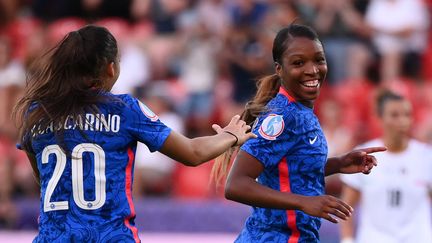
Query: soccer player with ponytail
{"type": "Point", "coordinates": [281, 173]}
{"type": "Point", "coordinates": [81, 140]}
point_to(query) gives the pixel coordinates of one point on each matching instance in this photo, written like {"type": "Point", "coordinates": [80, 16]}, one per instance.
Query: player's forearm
{"type": "Point", "coordinates": [247, 191]}
{"type": "Point", "coordinates": [347, 230]}
{"type": "Point", "coordinates": [209, 147]}
{"type": "Point", "coordinates": [332, 166]}
{"type": "Point", "coordinates": [193, 152]}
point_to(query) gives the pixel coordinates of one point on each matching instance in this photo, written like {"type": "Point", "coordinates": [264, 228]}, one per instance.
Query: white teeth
{"type": "Point", "coordinates": [311, 83]}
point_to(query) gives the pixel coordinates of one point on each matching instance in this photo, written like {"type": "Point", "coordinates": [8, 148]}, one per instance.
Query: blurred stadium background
{"type": "Point", "coordinates": [194, 62]}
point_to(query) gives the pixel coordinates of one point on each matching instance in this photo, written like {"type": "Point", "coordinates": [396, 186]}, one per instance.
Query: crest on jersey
{"type": "Point", "coordinates": [147, 112]}
{"type": "Point", "coordinates": [272, 127]}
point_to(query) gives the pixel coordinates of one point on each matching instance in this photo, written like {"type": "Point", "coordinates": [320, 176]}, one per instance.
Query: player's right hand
{"type": "Point", "coordinates": [327, 207]}
{"type": "Point", "coordinates": [238, 128]}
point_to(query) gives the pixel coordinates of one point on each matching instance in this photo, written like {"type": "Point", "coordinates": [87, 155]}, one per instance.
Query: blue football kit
{"type": "Point", "coordinates": [86, 188]}
{"type": "Point", "coordinates": [293, 150]}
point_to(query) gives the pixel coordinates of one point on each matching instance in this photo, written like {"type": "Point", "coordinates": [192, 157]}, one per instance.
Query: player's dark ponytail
{"type": "Point", "coordinates": [268, 87]}
{"type": "Point", "coordinates": [66, 81]}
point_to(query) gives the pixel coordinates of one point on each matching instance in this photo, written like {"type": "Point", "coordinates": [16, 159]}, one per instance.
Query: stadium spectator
{"type": "Point", "coordinates": [281, 173]}
{"type": "Point", "coordinates": [12, 80]}
{"type": "Point", "coordinates": [214, 15]}
{"type": "Point", "coordinates": [343, 32]}
{"type": "Point", "coordinates": [154, 171]}
{"type": "Point", "coordinates": [395, 199]}
{"type": "Point", "coordinates": [81, 140]}
{"type": "Point", "coordinates": [198, 74]}
{"type": "Point", "coordinates": [399, 34]}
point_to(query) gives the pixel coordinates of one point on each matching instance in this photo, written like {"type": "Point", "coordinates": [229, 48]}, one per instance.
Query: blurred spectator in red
{"type": "Point", "coordinates": [29, 39]}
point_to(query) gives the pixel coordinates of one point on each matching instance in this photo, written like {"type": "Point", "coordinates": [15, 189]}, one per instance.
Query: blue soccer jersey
{"type": "Point", "coordinates": [293, 150]}
{"type": "Point", "coordinates": [86, 190]}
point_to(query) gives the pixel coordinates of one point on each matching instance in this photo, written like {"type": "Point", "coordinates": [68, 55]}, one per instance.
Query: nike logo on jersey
{"type": "Point", "coordinates": [312, 141]}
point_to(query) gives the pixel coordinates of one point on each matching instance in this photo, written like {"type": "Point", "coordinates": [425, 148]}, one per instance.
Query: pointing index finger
{"type": "Point", "coordinates": [374, 149]}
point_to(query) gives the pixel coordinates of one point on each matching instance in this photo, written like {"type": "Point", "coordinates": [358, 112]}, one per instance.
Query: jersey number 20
{"type": "Point", "coordinates": [77, 176]}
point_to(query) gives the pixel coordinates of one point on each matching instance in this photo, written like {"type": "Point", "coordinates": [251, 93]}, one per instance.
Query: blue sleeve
{"type": "Point", "coordinates": [275, 138]}
{"type": "Point", "coordinates": [27, 137]}
{"type": "Point", "coordinates": [144, 125]}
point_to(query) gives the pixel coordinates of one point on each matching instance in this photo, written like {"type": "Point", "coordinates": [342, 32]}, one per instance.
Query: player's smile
{"type": "Point", "coordinates": [311, 83]}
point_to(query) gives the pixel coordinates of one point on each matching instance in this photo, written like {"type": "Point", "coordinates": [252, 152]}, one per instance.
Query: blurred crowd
{"type": "Point", "coordinates": [195, 62]}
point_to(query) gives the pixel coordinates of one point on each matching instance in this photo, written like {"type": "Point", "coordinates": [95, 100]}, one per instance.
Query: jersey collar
{"type": "Point", "coordinates": [283, 92]}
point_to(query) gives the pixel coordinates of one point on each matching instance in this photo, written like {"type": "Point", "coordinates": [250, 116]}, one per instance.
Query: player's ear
{"type": "Point", "coordinates": [110, 70]}
{"type": "Point", "coordinates": [278, 68]}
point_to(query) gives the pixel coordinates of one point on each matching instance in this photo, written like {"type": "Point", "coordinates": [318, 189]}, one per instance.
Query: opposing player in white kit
{"type": "Point", "coordinates": [395, 199]}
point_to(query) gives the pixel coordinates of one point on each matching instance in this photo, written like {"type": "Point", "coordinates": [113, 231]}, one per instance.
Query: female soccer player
{"type": "Point", "coordinates": [81, 140]}
{"type": "Point", "coordinates": [281, 173]}
{"type": "Point", "coordinates": [396, 198]}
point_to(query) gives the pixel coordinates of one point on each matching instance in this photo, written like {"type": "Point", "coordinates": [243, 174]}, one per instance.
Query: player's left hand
{"type": "Point", "coordinates": [359, 160]}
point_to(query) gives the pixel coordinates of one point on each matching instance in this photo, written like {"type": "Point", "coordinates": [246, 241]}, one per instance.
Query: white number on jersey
{"type": "Point", "coordinates": [77, 176]}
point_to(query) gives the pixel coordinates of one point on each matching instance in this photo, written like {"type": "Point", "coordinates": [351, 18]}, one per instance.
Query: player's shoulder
{"type": "Point", "coordinates": [126, 99]}
{"type": "Point", "coordinates": [420, 146]}
{"type": "Point", "coordinates": [281, 106]}
{"type": "Point", "coordinates": [121, 101]}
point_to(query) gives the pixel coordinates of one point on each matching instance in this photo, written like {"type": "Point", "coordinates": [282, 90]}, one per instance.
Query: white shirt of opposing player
{"type": "Point", "coordinates": [395, 205]}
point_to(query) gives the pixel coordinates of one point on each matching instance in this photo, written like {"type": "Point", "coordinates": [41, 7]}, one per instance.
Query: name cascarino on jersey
{"type": "Point", "coordinates": [90, 122]}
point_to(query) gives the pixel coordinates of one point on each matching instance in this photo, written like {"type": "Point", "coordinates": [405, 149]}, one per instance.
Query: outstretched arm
{"type": "Point", "coordinates": [193, 152]}
{"type": "Point", "coordinates": [242, 187]}
{"type": "Point", "coordinates": [356, 161]}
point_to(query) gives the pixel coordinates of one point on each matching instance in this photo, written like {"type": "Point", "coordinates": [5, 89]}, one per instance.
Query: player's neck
{"type": "Point", "coordinates": [395, 145]}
